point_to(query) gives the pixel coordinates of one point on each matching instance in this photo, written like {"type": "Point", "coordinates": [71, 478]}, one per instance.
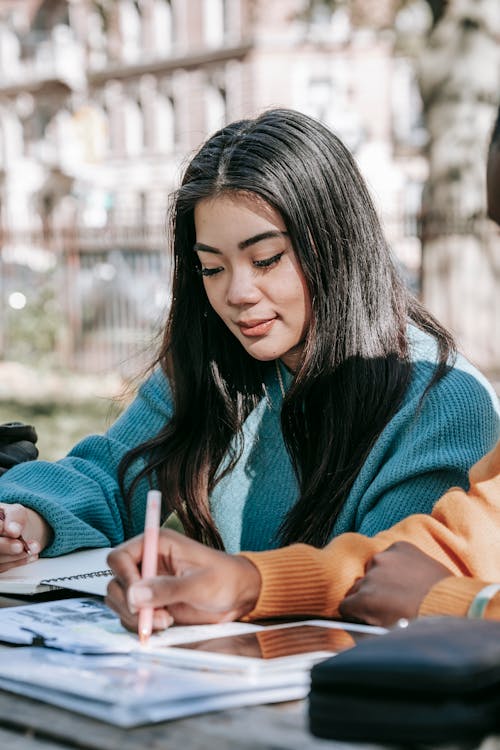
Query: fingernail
{"type": "Point", "coordinates": [14, 528]}
{"type": "Point", "coordinates": [16, 548]}
{"type": "Point", "coordinates": [138, 595]}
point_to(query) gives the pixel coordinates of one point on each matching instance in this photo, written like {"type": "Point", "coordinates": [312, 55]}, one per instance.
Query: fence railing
{"type": "Point", "coordinates": [92, 300]}
{"type": "Point", "coordinates": [86, 300]}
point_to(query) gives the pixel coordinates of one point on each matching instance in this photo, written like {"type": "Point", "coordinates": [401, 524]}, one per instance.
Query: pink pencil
{"type": "Point", "coordinates": [149, 558]}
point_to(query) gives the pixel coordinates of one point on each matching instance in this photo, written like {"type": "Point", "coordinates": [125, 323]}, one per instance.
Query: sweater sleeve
{"type": "Point", "coordinates": [79, 495]}
{"type": "Point", "coordinates": [462, 533]}
{"type": "Point", "coordinates": [453, 596]}
{"type": "Point", "coordinates": [427, 448]}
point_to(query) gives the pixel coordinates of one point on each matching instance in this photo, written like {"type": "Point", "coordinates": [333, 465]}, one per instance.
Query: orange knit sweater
{"type": "Point", "coordinates": [463, 533]}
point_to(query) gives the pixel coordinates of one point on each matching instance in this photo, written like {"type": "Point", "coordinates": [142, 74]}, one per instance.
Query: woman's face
{"type": "Point", "coordinates": [252, 277]}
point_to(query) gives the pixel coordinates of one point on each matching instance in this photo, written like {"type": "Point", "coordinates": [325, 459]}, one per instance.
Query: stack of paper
{"type": "Point", "coordinates": [126, 691]}
{"type": "Point", "coordinates": [92, 665]}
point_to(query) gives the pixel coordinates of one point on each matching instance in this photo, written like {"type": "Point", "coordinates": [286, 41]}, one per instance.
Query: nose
{"type": "Point", "coordinates": [242, 289]}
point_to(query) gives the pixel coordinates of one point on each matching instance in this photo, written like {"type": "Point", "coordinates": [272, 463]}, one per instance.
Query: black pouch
{"type": "Point", "coordinates": [17, 444]}
{"type": "Point", "coordinates": [436, 681]}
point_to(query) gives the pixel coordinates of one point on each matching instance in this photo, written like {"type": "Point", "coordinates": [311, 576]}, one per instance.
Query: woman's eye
{"type": "Point", "coordinates": [268, 262]}
{"type": "Point", "coordinates": [210, 271]}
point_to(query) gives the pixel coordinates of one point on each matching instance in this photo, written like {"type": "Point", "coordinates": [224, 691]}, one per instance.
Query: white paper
{"type": "Point", "coordinates": [127, 691]}
{"type": "Point", "coordinates": [88, 626]}
{"type": "Point", "coordinates": [87, 568]}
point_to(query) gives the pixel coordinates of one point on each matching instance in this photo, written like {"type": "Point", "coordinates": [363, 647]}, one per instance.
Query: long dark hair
{"type": "Point", "coordinates": [355, 367]}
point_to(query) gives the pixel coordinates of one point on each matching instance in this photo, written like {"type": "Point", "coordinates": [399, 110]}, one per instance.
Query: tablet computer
{"type": "Point", "coordinates": [293, 646]}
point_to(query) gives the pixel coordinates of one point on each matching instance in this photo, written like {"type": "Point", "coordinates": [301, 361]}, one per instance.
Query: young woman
{"type": "Point", "coordinates": [300, 391]}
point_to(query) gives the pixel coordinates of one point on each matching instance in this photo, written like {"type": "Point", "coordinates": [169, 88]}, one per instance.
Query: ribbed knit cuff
{"type": "Point", "coordinates": [451, 596]}
{"type": "Point", "coordinates": [295, 581]}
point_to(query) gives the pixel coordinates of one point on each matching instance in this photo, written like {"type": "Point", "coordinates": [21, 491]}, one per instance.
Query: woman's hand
{"type": "Point", "coordinates": [394, 585]}
{"type": "Point", "coordinates": [194, 584]}
{"type": "Point", "coordinates": [23, 535]}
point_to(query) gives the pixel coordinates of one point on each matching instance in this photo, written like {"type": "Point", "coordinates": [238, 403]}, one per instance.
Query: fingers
{"type": "Point", "coordinates": [125, 560]}
{"type": "Point", "coordinates": [184, 614]}
{"type": "Point", "coordinates": [164, 591]}
{"type": "Point", "coordinates": [11, 547]}
{"type": "Point", "coordinates": [116, 599]}
{"type": "Point", "coordinates": [195, 582]}
{"type": "Point", "coordinates": [14, 549]}
{"type": "Point", "coordinates": [8, 562]}
{"type": "Point", "coordinates": [354, 588]}
{"type": "Point", "coordinates": [12, 520]}
{"type": "Point", "coordinates": [361, 603]}
{"type": "Point", "coordinates": [185, 600]}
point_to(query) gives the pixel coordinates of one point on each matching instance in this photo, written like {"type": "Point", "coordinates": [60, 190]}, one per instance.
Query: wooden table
{"type": "Point", "coordinates": [30, 725]}
{"type": "Point", "coordinates": [27, 724]}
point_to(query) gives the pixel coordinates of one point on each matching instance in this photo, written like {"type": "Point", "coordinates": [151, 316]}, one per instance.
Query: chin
{"type": "Point", "coordinates": [263, 357]}
{"type": "Point", "coordinates": [263, 354]}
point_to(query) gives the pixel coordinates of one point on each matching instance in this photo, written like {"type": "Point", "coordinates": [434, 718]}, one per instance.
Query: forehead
{"type": "Point", "coordinates": [236, 213]}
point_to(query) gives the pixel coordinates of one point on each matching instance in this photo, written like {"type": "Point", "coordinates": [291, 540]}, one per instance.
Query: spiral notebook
{"type": "Point", "coordinates": [85, 571]}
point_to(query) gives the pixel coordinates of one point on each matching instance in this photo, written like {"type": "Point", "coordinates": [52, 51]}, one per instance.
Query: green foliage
{"type": "Point", "coordinates": [32, 334]}
{"type": "Point", "coordinates": [60, 425]}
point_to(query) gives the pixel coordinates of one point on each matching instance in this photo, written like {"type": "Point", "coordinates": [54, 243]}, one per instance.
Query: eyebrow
{"type": "Point", "coordinates": [200, 247]}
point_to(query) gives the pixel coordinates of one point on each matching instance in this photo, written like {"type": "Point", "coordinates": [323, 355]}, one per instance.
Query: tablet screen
{"type": "Point", "coordinates": [272, 643]}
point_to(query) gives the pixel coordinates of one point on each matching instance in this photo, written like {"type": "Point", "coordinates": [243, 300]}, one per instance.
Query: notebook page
{"type": "Point", "coordinates": [54, 571]}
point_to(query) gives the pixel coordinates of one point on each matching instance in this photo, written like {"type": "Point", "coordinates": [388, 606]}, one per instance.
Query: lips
{"type": "Point", "coordinates": [256, 327]}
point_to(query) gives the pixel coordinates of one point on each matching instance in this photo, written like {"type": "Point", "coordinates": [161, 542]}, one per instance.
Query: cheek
{"type": "Point", "coordinates": [214, 296]}
{"type": "Point", "coordinates": [296, 296]}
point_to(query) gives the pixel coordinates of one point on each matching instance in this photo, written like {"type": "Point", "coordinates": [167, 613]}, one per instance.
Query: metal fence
{"type": "Point", "coordinates": [86, 300]}
{"type": "Point", "coordinates": [92, 300]}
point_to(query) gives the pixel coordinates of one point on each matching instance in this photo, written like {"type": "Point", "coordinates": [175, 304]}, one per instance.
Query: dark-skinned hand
{"type": "Point", "coordinates": [393, 587]}
{"type": "Point", "coordinates": [194, 583]}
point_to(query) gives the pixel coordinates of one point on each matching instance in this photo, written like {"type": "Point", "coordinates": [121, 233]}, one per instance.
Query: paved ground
{"type": "Point", "coordinates": [32, 386]}
{"type": "Point", "coordinates": [63, 407]}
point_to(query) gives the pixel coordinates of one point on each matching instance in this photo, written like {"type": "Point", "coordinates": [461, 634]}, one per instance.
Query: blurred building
{"type": "Point", "coordinates": [102, 100]}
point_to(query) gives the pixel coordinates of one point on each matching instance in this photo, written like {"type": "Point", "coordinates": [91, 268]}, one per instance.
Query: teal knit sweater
{"type": "Point", "coordinates": [420, 454]}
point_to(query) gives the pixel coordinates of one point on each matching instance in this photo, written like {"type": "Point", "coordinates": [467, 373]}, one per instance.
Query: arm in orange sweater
{"type": "Point", "coordinates": [463, 533]}
{"type": "Point", "coordinates": [453, 596]}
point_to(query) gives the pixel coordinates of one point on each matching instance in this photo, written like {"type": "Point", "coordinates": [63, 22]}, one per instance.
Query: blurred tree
{"type": "Point", "coordinates": [459, 76]}
{"type": "Point", "coordinates": [34, 331]}
{"type": "Point", "coordinates": [457, 58]}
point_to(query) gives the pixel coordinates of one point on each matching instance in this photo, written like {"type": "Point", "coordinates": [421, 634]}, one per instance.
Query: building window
{"type": "Point", "coordinates": [134, 126]}
{"type": "Point", "coordinates": [214, 22]}
{"type": "Point", "coordinates": [165, 124]}
{"type": "Point", "coordinates": [160, 32]}
{"type": "Point", "coordinates": [215, 108]}
{"type": "Point", "coordinates": [114, 106]}
{"type": "Point", "coordinates": [13, 138]}
{"type": "Point", "coordinates": [130, 25]}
